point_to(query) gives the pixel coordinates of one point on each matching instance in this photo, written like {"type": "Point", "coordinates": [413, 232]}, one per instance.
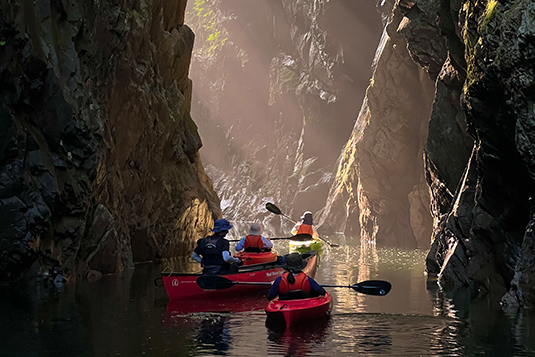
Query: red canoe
{"type": "Point", "coordinates": [250, 258]}
{"type": "Point", "coordinates": [183, 286]}
{"type": "Point", "coordinates": [293, 312]}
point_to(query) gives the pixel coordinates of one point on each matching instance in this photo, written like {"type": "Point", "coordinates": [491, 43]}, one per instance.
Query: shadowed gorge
{"type": "Point", "coordinates": [398, 123]}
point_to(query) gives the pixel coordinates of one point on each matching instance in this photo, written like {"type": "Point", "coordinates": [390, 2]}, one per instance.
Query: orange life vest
{"type": "Point", "coordinates": [253, 242]}
{"type": "Point", "coordinates": [305, 229]}
{"type": "Point", "coordinates": [301, 283]}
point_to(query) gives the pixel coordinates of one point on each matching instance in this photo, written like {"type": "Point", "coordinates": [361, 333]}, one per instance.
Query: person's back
{"type": "Point", "coordinates": [213, 251]}
{"type": "Point", "coordinates": [306, 226]}
{"type": "Point", "coordinates": [254, 242]}
{"type": "Point", "coordinates": [295, 284]}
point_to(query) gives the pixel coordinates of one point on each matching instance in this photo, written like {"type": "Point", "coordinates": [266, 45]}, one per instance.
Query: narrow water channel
{"type": "Point", "coordinates": [126, 315]}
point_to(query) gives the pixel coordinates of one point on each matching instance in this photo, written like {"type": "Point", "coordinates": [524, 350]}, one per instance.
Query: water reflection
{"type": "Point", "coordinates": [383, 334]}
{"type": "Point", "coordinates": [213, 335]}
{"type": "Point", "coordinates": [255, 301]}
{"type": "Point", "coordinates": [126, 315]}
{"type": "Point", "coordinates": [302, 340]}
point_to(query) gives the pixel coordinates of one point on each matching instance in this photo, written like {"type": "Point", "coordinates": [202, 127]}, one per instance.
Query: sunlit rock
{"type": "Point", "coordinates": [380, 184]}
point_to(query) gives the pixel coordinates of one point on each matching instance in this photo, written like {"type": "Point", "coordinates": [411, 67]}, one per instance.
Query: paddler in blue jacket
{"type": "Point", "coordinates": [295, 279]}
{"type": "Point", "coordinates": [213, 251]}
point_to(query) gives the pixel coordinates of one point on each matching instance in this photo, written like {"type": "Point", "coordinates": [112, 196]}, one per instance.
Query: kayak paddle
{"type": "Point", "coordinates": [274, 209]}
{"type": "Point", "coordinates": [214, 282]}
{"type": "Point", "coordinates": [369, 287]}
{"type": "Point", "coordinates": [299, 237]}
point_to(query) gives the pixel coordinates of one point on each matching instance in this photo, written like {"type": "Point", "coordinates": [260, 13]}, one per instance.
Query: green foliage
{"type": "Point", "coordinates": [2, 43]}
{"type": "Point", "coordinates": [489, 13]}
{"type": "Point", "coordinates": [470, 41]}
{"type": "Point", "coordinates": [209, 26]}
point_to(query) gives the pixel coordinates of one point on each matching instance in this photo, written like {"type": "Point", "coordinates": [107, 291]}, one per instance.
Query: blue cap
{"type": "Point", "coordinates": [221, 225]}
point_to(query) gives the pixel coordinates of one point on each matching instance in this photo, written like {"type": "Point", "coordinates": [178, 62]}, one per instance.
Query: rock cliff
{"type": "Point", "coordinates": [452, 92]}
{"type": "Point", "coordinates": [99, 164]}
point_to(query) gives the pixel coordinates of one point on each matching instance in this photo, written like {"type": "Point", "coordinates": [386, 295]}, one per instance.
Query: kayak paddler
{"type": "Point", "coordinates": [213, 251]}
{"type": "Point", "coordinates": [295, 280]}
{"type": "Point", "coordinates": [254, 241]}
{"type": "Point", "coordinates": [306, 226]}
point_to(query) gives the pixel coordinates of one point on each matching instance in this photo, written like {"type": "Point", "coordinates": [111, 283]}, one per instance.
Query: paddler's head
{"type": "Point", "coordinates": [306, 218]}
{"type": "Point", "coordinates": [295, 263]}
{"type": "Point", "coordinates": [221, 227]}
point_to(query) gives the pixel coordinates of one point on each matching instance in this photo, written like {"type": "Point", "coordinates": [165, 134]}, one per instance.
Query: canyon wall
{"type": "Point", "coordinates": [99, 162]}
{"type": "Point", "coordinates": [461, 122]}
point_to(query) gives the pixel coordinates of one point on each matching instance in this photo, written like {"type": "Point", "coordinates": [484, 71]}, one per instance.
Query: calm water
{"type": "Point", "coordinates": [127, 315]}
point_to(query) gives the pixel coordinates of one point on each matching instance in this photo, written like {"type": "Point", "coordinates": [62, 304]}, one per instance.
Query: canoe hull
{"type": "Point", "coordinates": [293, 312]}
{"type": "Point", "coordinates": [183, 286]}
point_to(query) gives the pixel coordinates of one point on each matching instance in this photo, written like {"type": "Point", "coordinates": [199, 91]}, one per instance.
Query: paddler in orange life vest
{"type": "Point", "coordinates": [295, 279]}
{"type": "Point", "coordinates": [254, 242]}
{"type": "Point", "coordinates": [306, 226]}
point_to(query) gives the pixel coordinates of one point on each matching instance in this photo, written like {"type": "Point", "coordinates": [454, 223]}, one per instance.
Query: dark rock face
{"type": "Point", "coordinates": [99, 162]}
{"type": "Point", "coordinates": [491, 210]}
{"type": "Point", "coordinates": [477, 148]}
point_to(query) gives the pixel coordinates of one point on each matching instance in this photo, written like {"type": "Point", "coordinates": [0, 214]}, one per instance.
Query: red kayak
{"type": "Point", "coordinates": [183, 286]}
{"type": "Point", "coordinates": [250, 258]}
{"type": "Point", "coordinates": [301, 310]}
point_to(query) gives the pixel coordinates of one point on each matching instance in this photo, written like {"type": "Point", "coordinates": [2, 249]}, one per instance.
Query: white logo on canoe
{"type": "Point", "coordinates": [174, 282]}
{"type": "Point", "coordinates": [274, 273]}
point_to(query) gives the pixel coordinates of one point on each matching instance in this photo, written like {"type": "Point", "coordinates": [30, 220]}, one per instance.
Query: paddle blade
{"type": "Point", "coordinates": [214, 282]}
{"type": "Point", "coordinates": [272, 208]}
{"type": "Point", "coordinates": [373, 287]}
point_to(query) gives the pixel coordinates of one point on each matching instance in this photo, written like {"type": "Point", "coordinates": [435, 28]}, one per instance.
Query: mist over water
{"type": "Point", "coordinates": [277, 87]}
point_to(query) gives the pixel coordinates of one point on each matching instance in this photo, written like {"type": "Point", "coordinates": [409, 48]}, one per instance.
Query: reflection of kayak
{"type": "Point", "coordinates": [252, 302]}
{"type": "Point", "coordinates": [184, 285]}
{"type": "Point", "coordinates": [293, 312]}
{"type": "Point", "coordinates": [250, 258]}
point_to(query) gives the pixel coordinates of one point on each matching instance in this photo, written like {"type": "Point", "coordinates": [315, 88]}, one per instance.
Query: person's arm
{"type": "Point", "coordinates": [274, 290]}
{"type": "Point", "coordinates": [295, 228]}
{"type": "Point", "coordinates": [267, 243]}
{"type": "Point", "coordinates": [229, 258]}
{"type": "Point", "coordinates": [240, 244]}
{"type": "Point", "coordinates": [198, 249]}
{"type": "Point", "coordinates": [225, 248]}
{"type": "Point", "coordinates": [196, 257]}
{"type": "Point", "coordinates": [316, 287]}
